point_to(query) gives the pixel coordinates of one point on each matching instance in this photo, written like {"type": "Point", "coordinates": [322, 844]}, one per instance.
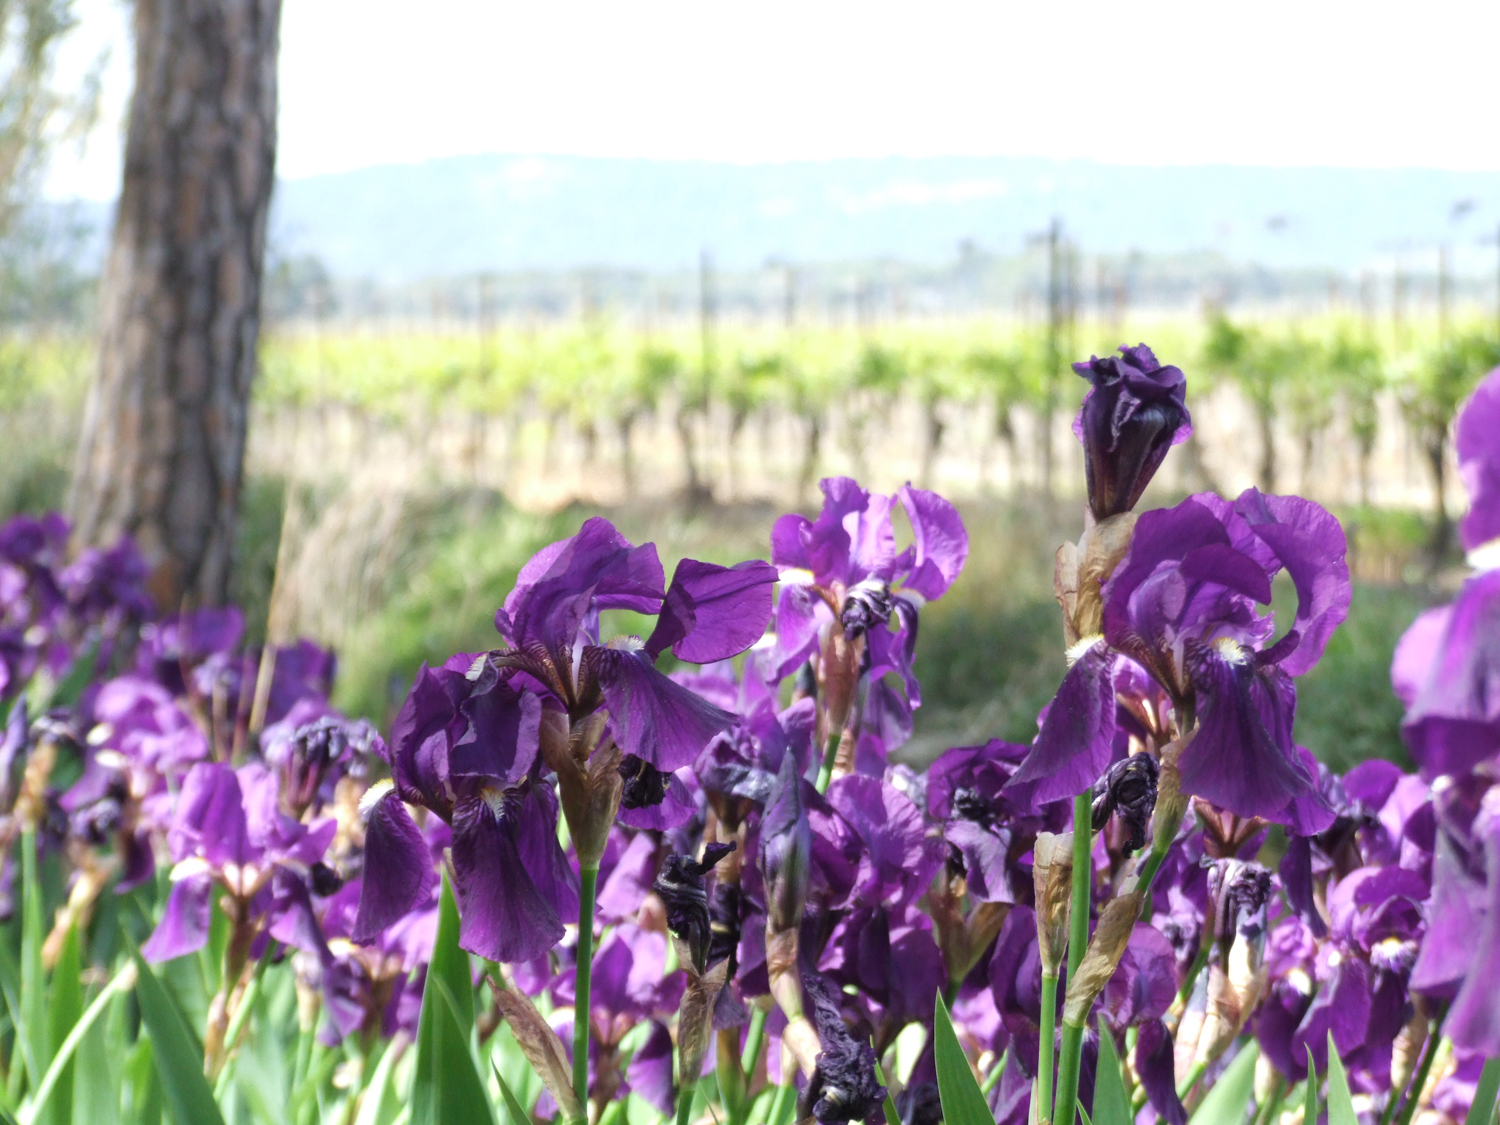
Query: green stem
{"type": "Point", "coordinates": [1078, 940]}
{"type": "Point", "coordinates": [754, 1040]}
{"type": "Point", "coordinates": [1191, 1080]}
{"type": "Point", "coordinates": [1269, 1112]}
{"type": "Point", "coordinates": [889, 1105]}
{"type": "Point", "coordinates": [830, 752]}
{"type": "Point", "coordinates": [731, 1078]}
{"type": "Point", "coordinates": [685, 1102]}
{"type": "Point", "coordinates": [1149, 869]}
{"type": "Point", "coordinates": [1048, 1046]}
{"type": "Point", "coordinates": [778, 1104]}
{"type": "Point", "coordinates": [1429, 1053]}
{"type": "Point", "coordinates": [588, 879]}
{"type": "Point", "coordinates": [995, 1075]}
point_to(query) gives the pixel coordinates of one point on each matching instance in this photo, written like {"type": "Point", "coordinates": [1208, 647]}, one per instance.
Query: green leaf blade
{"type": "Point", "coordinates": [1111, 1105]}
{"type": "Point", "coordinates": [958, 1089]}
{"type": "Point", "coordinates": [64, 1008]}
{"type": "Point", "coordinates": [1310, 1100]}
{"type": "Point", "coordinates": [1230, 1095]}
{"type": "Point", "coordinates": [1482, 1112]}
{"type": "Point", "coordinates": [1340, 1101]}
{"type": "Point", "coordinates": [446, 1087]}
{"type": "Point", "coordinates": [179, 1061]}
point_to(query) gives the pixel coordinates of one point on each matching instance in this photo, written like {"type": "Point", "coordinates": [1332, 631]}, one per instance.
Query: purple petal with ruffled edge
{"type": "Point", "coordinates": [183, 927]}
{"type": "Point", "coordinates": [1310, 545]}
{"type": "Point", "coordinates": [1145, 984]}
{"type": "Point", "coordinates": [596, 569]}
{"type": "Point", "coordinates": [1455, 721]}
{"type": "Point", "coordinates": [940, 542]}
{"type": "Point", "coordinates": [398, 871]}
{"type": "Point", "coordinates": [1243, 758]}
{"type": "Point", "coordinates": [651, 716]}
{"type": "Point", "coordinates": [210, 817]}
{"type": "Point", "coordinates": [893, 648]}
{"type": "Point", "coordinates": [1077, 740]}
{"type": "Point", "coordinates": [1454, 916]}
{"type": "Point", "coordinates": [503, 735]}
{"type": "Point", "coordinates": [1474, 440]}
{"type": "Point", "coordinates": [503, 915]}
{"type": "Point", "coordinates": [1417, 652]}
{"type": "Point", "coordinates": [536, 842]}
{"type": "Point", "coordinates": [418, 746]}
{"type": "Point", "coordinates": [626, 887]}
{"type": "Point", "coordinates": [899, 859]}
{"type": "Point", "coordinates": [1153, 1063]}
{"type": "Point", "coordinates": [713, 612]}
{"type": "Point", "coordinates": [800, 615]}
{"type": "Point", "coordinates": [1474, 1019]}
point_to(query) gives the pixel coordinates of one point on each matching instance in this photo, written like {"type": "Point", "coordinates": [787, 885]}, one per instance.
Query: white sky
{"type": "Point", "coordinates": [1271, 82]}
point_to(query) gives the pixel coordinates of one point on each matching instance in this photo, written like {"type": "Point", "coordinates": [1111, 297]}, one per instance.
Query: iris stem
{"type": "Point", "coordinates": [889, 1105]}
{"type": "Point", "coordinates": [1429, 1054]}
{"type": "Point", "coordinates": [1078, 940]}
{"type": "Point", "coordinates": [778, 1103]}
{"type": "Point", "coordinates": [1200, 962]}
{"type": "Point", "coordinates": [685, 1102]}
{"type": "Point", "coordinates": [830, 752]}
{"type": "Point", "coordinates": [1048, 1046]}
{"type": "Point", "coordinates": [588, 879]}
{"type": "Point", "coordinates": [754, 1039]}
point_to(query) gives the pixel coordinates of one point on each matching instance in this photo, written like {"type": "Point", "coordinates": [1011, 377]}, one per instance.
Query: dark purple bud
{"type": "Point", "coordinates": [1135, 411]}
{"type": "Point", "coordinates": [920, 1105]}
{"type": "Point", "coordinates": [724, 924]}
{"type": "Point", "coordinates": [680, 886]}
{"type": "Point", "coordinates": [843, 1087]}
{"type": "Point", "coordinates": [1128, 790]}
{"type": "Point", "coordinates": [1238, 894]}
{"type": "Point", "coordinates": [868, 604]}
{"type": "Point", "coordinates": [645, 785]}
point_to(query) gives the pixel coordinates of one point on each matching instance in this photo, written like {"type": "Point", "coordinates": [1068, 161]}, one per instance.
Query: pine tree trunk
{"type": "Point", "coordinates": [163, 444]}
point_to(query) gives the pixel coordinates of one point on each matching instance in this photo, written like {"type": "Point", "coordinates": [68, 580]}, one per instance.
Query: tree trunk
{"type": "Point", "coordinates": [163, 443]}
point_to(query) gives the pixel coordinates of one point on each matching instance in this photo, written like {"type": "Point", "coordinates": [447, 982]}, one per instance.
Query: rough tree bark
{"type": "Point", "coordinates": [163, 442]}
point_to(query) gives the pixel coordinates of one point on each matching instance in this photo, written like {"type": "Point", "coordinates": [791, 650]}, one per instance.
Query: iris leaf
{"type": "Point", "coordinates": [1310, 1103]}
{"type": "Point", "coordinates": [1228, 1097]}
{"type": "Point", "coordinates": [1482, 1112]}
{"type": "Point", "coordinates": [446, 1089]}
{"type": "Point", "coordinates": [963, 1101]}
{"type": "Point", "coordinates": [1111, 1106]}
{"type": "Point", "coordinates": [179, 1060]}
{"type": "Point", "coordinates": [1340, 1102]}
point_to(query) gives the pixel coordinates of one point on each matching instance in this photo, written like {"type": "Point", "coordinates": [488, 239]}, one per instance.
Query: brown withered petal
{"type": "Point", "coordinates": [1052, 873]}
{"type": "Point", "coordinates": [1106, 948]}
{"type": "Point", "coordinates": [695, 1021]}
{"type": "Point", "coordinates": [542, 1048]}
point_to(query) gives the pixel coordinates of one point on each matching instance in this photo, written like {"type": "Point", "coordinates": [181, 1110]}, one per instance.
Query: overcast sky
{"type": "Point", "coordinates": [375, 81]}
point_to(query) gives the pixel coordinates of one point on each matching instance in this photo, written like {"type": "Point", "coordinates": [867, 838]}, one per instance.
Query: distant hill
{"type": "Point", "coordinates": [496, 212]}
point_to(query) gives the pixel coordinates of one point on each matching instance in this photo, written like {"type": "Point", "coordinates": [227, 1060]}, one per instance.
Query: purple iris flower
{"type": "Point", "coordinates": [313, 748]}
{"type": "Point", "coordinates": [465, 746]}
{"type": "Point", "coordinates": [988, 827]}
{"type": "Point", "coordinates": [1134, 412]}
{"type": "Point", "coordinates": [229, 833]}
{"type": "Point", "coordinates": [551, 621]}
{"type": "Point", "coordinates": [1479, 466]}
{"type": "Point", "coordinates": [468, 743]}
{"type": "Point", "coordinates": [1460, 955]}
{"type": "Point", "coordinates": [843, 571]}
{"type": "Point", "coordinates": [1182, 605]}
